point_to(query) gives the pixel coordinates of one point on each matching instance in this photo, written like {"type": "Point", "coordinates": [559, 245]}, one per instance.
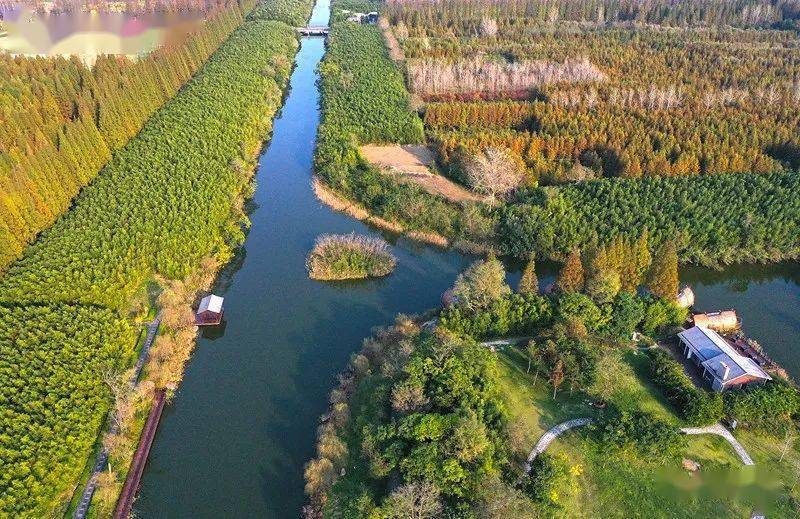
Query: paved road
{"type": "Point", "coordinates": [551, 435]}
{"type": "Point", "coordinates": [719, 430]}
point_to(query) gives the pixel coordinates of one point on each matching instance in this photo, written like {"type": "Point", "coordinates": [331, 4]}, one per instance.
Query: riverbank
{"type": "Point", "coordinates": [394, 422]}
{"type": "Point", "coordinates": [138, 231]}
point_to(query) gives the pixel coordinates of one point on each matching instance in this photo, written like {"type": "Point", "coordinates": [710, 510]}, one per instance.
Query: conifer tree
{"type": "Point", "coordinates": [529, 283]}
{"type": "Point", "coordinates": [570, 279]}
{"type": "Point", "coordinates": [662, 280]}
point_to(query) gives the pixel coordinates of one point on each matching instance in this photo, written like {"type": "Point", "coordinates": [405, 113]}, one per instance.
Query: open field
{"type": "Point", "coordinates": [614, 483]}
{"type": "Point", "coordinates": [411, 163]}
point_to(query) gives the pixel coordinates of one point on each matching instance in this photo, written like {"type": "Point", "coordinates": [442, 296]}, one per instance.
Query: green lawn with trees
{"type": "Point", "coordinates": [430, 423]}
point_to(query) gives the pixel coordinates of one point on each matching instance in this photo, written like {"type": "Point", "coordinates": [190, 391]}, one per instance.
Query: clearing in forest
{"type": "Point", "coordinates": [410, 163]}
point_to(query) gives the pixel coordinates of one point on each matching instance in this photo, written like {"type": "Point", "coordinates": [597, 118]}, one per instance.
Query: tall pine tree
{"type": "Point", "coordinates": [529, 283]}
{"type": "Point", "coordinates": [662, 281]}
{"type": "Point", "coordinates": [570, 279]}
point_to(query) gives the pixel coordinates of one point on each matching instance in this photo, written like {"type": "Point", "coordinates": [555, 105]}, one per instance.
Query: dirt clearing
{"type": "Point", "coordinates": [410, 163]}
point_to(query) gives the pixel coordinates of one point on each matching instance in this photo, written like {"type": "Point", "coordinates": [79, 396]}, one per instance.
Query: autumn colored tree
{"type": "Point", "coordinates": [662, 280]}
{"type": "Point", "coordinates": [529, 283]}
{"type": "Point", "coordinates": [571, 277]}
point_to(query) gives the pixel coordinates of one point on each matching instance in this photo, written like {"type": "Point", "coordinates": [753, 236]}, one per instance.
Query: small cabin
{"type": "Point", "coordinates": [720, 321]}
{"type": "Point", "coordinates": [685, 297]}
{"type": "Point", "coordinates": [209, 312]}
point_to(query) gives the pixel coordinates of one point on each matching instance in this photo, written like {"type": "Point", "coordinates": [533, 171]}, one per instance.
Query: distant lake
{"type": "Point", "coordinates": [89, 34]}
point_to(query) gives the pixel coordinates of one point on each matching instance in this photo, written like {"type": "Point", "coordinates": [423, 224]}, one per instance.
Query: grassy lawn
{"type": "Point", "coordinates": [623, 484]}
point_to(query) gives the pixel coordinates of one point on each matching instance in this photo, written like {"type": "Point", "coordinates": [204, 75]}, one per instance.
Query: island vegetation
{"type": "Point", "coordinates": [427, 421]}
{"type": "Point", "coordinates": [586, 121]}
{"type": "Point", "coordinates": [147, 233]}
{"type": "Point", "coordinates": [349, 256]}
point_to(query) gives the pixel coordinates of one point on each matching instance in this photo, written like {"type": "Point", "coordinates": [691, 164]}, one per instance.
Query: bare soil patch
{"type": "Point", "coordinates": [410, 163]}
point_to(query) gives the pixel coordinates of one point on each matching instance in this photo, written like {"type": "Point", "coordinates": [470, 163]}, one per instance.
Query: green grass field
{"type": "Point", "coordinates": [611, 483]}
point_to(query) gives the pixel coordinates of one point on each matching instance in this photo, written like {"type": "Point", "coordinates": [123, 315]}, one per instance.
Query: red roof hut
{"type": "Point", "coordinates": [210, 311]}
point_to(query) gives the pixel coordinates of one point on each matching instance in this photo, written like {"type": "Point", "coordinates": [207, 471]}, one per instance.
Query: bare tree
{"type": "Point", "coordinates": [417, 500]}
{"type": "Point", "coordinates": [479, 74]}
{"type": "Point", "coordinates": [494, 172]}
{"type": "Point", "coordinates": [488, 27]}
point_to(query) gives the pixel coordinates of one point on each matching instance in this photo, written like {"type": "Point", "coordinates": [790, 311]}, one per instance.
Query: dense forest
{"type": "Point", "coordinates": [62, 304]}
{"type": "Point", "coordinates": [61, 121]}
{"type": "Point", "coordinates": [685, 126]}
{"type": "Point", "coordinates": [463, 17]}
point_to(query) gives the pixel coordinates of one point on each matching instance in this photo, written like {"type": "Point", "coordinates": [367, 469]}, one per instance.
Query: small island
{"type": "Point", "coordinates": [349, 256]}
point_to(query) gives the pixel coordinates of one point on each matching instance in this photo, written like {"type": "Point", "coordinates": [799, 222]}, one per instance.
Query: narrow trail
{"type": "Point", "coordinates": [102, 456]}
{"type": "Point", "coordinates": [553, 433]}
{"type": "Point", "coordinates": [719, 430]}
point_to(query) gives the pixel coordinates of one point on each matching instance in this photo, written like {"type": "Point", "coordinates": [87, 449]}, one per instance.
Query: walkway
{"type": "Point", "coordinates": [102, 456]}
{"type": "Point", "coordinates": [551, 435]}
{"type": "Point", "coordinates": [125, 501]}
{"type": "Point", "coordinates": [505, 342]}
{"type": "Point", "coordinates": [719, 430]}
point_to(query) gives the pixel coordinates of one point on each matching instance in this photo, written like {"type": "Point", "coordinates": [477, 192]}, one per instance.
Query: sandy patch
{"type": "Point", "coordinates": [410, 163]}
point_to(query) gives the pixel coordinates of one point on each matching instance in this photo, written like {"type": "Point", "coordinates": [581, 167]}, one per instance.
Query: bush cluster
{"type": "Point", "coordinates": [770, 407]}
{"type": "Point", "coordinates": [652, 437]}
{"type": "Point", "coordinates": [696, 406]}
{"type": "Point", "coordinates": [516, 314]}
{"type": "Point", "coordinates": [348, 256]}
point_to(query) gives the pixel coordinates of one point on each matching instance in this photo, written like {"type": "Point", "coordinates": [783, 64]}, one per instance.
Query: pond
{"type": "Point", "coordinates": [234, 440]}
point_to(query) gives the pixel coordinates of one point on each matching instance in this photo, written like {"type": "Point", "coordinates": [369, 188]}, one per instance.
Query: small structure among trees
{"type": "Point", "coordinates": [685, 297]}
{"type": "Point", "coordinates": [718, 361]}
{"type": "Point", "coordinates": [209, 313]}
{"type": "Point", "coordinates": [720, 321]}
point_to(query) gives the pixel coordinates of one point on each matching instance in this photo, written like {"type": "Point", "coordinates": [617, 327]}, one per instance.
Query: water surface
{"type": "Point", "coordinates": [242, 425]}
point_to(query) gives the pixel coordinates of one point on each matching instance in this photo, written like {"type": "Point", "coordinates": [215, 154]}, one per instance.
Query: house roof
{"type": "Point", "coordinates": [714, 350]}
{"type": "Point", "coordinates": [210, 303]}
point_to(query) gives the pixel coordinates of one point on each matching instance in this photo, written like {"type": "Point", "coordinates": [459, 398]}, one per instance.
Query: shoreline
{"type": "Point", "coordinates": [161, 396]}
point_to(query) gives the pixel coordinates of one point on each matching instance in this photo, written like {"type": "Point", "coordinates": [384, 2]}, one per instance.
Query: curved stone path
{"type": "Point", "coordinates": [719, 430]}
{"type": "Point", "coordinates": [548, 437]}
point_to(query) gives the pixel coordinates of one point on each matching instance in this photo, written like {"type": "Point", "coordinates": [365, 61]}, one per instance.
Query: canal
{"type": "Point", "coordinates": [234, 440]}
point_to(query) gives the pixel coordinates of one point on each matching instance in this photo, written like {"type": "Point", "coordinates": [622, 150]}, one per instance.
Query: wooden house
{"type": "Point", "coordinates": [209, 312]}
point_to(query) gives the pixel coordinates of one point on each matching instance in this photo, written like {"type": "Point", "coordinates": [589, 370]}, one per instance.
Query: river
{"type": "Point", "coordinates": [234, 440]}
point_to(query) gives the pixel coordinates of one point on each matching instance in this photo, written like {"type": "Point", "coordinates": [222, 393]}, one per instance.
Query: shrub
{"type": "Point", "coordinates": [627, 311]}
{"type": "Point", "coordinates": [574, 305]}
{"type": "Point", "coordinates": [349, 256]}
{"type": "Point", "coordinates": [766, 407]}
{"type": "Point", "coordinates": [547, 473]}
{"type": "Point", "coordinates": [648, 435]}
{"type": "Point", "coordinates": [483, 283]}
{"type": "Point", "coordinates": [697, 406]}
{"type": "Point", "coordinates": [513, 315]}
{"type": "Point", "coordinates": [660, 313]}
